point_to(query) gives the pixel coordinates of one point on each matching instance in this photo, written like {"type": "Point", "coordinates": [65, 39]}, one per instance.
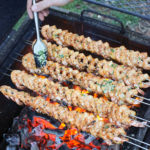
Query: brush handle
{"type": "Point", "coordinates": [36, 22]}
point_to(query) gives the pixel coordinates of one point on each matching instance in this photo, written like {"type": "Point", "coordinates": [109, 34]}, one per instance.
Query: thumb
{"type": "Point", "coordinates": [40, 6]}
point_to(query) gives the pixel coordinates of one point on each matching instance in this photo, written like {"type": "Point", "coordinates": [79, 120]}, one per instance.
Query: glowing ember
{"type": "Point", "coordinates": [38, 131]}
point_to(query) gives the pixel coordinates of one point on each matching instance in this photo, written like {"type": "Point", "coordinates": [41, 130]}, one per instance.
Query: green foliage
{"type": "Point", "coordinates": [78, 5]}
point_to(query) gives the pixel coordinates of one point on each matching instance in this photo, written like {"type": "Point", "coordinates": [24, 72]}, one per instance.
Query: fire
{"type": "Point", "coordinates": [85, 92]}
{"type": "Point", "coordinates": [95, 95]}
{"type": "Point", "coordinates": [45, 124]}
{"type": "Point", "coordinates": [105, 98]}
{"type": "Point", "coordinates": [78, 109]}
{"type": "Point", "coordinates": [70, 108]}
{"type": "Point", "coordinates": [48, 99]}
{"type": "Point", "coordinates": [42, 131]}
{"type": "Point", "coordinates": [62, 125]}
{"type": "Point", "coordinates": [77, 88]}
{"type": "Point", "coordinates": [103, 119]}
{"type": "Point", "coordinates": [134, 105]}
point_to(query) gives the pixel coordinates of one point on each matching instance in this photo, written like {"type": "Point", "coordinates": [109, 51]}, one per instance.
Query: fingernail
{"type": "Point", "coordinates": [34, 8]}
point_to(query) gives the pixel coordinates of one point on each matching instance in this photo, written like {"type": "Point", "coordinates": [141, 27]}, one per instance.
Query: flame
{"type": "Point", "coordinates": [103, 119]}
{"type": "Point", "coordinates": [85, 92]}
{"type": "Point", "coordinates": [48, 99]}
{"type": "Point", "coordinates": [105, 98]}
{"type": "Point", "coordinates": [95, 95]}
{"type": "Point", "coordinates": [78, 109]}
{"type": "Point", "coordinates": [134, 105]}
{"type": "Point", "coordinates": [77, 88]}
{"type": "Point", "coordinates": [62, 125]}
{"type": "Point", "coordinates": [70, 108]}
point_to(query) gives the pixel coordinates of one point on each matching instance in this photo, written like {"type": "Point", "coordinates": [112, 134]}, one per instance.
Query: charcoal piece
{"type": "Point", "coordinates": [34, 146]}
{"type": "Point", "coordinates": [49, 143]}
{"type": "Point", "coordinates": [57, 132]}
{"type": "Point", "coordinates": [12, 139]}
{"type": "Point", "coordinates": [63, 147]}
{"type": "Point", "coordinates": [58, 141]}
{"type": "Point", "coordinates": [97, 142]}
{"type": "Point", "coordinates": [89, 139]}
{"type": "Point", "coordinates": [11, 147]}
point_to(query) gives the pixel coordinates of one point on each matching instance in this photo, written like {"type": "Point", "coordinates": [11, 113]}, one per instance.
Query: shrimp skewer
{"type": "Point", "coordinates": [118, 92]}
{"type": "Point", "coordinates": [118, 115]}
{"type": "Point", "coordinates": [120, 54]}
{"type": "Point", "coordinates": [83, 121]}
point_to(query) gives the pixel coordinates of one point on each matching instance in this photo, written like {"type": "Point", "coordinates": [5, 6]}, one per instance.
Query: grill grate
{"type": "Point", "coordinates": [139, 8]}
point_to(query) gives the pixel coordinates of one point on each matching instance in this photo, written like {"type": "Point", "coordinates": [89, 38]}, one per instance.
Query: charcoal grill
{"type": "Point", "coordinates": [15, 45]}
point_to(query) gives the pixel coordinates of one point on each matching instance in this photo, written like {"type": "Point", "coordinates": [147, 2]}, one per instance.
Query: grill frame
{"type": "Point", "coordinates": [124, 9]}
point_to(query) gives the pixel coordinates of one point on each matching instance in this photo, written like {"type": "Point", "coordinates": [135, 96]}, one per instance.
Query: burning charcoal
{"type": "Point", "coordinates": [64, 147]}
{"type": "Point", "coordinates": [49, 143]}
{"type": "Point", "coordinates": [34, 146]}
{"type": "Point", "coordinates": [57, 132]}
{"type": "Point", "coordinates": [12, 139]}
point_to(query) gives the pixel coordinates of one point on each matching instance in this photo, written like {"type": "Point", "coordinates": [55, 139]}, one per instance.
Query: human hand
{"type": "Point", "coordinates": [42, 7]}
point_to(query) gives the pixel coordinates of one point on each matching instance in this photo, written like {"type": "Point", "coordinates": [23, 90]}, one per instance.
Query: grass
{"type": "Point", "coordinates": [78, 5]}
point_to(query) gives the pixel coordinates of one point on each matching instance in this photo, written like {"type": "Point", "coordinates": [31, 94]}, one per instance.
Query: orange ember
{"type": "Point", "coordinates": [45, 124]}
{"type": "Point", "coordinates": [42, 131]}
{"type": "Point", "coordinates": [62, 125]}
{"type": "Point", "coordinates": [77, 88]}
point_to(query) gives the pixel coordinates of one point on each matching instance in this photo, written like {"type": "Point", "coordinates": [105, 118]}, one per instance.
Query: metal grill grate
{"type": "Point", "coordinates": [139, 8]}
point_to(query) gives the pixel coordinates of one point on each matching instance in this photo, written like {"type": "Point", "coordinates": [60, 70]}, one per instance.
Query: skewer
{"type": "Point", "coordinates": [148, 99]}
{"type": "Point", "coordinates": [16, 59]}
{"type": "Point", "coordinates": [19, 54]}
{"type": "Point", "coordinates": [141, 101]}
{"type": "Point", "coordinates": [129, 137]}
{"type": "Point", "coordinates": [140, 118]}
{"type": "Point", "coordinates": [5, 74]}
{"type": "Point", "coordinates": [28, 42]}
{"type": "Point", "coordinates": [136, 145]}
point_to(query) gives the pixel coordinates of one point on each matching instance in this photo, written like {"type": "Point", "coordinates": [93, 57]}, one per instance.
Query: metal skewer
{"type": "Point", "coordinates": [28, 42]}
{"type": "Point", "coordinates": [16, 59]}
{"type": "Point", "coordinates": [19, 54]}
{"type": "Point", "coordinates": [136, 145]}
{"type": "Point", "coordinates": [129, 137]}
{"type": "Point", "coordinates": [140, 118]}
{"type": "Point", "coordinates": [148, 99]}
{"type": "Point", "coordinates": [5, 74]}
{"type": "Point", "coordinates": [141, 101]}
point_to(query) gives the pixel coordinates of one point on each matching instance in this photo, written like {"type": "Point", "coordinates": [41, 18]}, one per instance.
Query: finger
{"type": "Point", "coordinates": [40, 6]}
{"type": "Point", "coordinates": [29, 5]}
{"type": "Point", "coordinates": [41, 16]}
{"type": "Point", "coordinates": [60, 2]}
{"type": "Point", "coordinates": [45, 13]}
